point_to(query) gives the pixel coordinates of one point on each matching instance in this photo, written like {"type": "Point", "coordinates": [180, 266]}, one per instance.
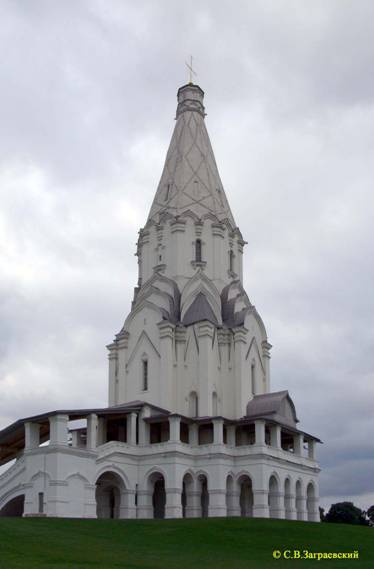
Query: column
{"type": "Point", "coordinates": [32, 435]}
{"type": "Point", "coordinates": [260, 432]}
{"type": "Point", "coordinates": [92, 425]}
{"type": "Point", "coordinates": [312, 449]}
{"type": "Point", "coordinates": [298, 444]}
{"type": "Point", "coordinates": [231, 435]}
{"type": "Point", "coordinates": [75, 439]}
{"type": "Point", "coordinates": [101, 431]}
{"type": "Point", "coordinates": [58, 425]}
{"type": "Point", "coordinates": [131, 428]}
{"type": "Point", "coordinates": [174, 429]}
{"type": "Point", "coordinates": [275, 436]}
{"type": "Point", "coordinates": [144, 426]}
{"type": "Point", "coordinates": [218, 431]}
{"type": "Point", "coordinates": [193, 434]}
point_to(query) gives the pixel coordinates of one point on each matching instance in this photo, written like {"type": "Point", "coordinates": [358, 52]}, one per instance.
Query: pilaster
{"type": "Point", "coordinates": [168, 392]}
{"type": "Point", "coordinates": [177, 230]}
{"type": "Point", "coordinates": [206, 367]}
{"type": "Point", "coordinates": [145, 508]}
{"type": "Point", "coordinates": [260, 503]}
{"type": "Point", "coordinates": [173, 507]}
{"type": "Point", "coordinates": [266, 347]}
{"type": "Point", "coordinates": [113, 369]}
{"type": "Point", "coordinates": [217, 502]}
{"type": "Point", "coordinates": [240, 344]}
{"type": "Point", "coordinates": [122, 355]}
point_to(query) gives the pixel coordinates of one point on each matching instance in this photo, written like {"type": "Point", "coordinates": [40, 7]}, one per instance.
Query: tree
{"type": "Point", "coordinates": [370, 514]}
{"type": "Point", "coordinates": [346, 513]}
{"type": "Point", "coordinates": [322, 515]}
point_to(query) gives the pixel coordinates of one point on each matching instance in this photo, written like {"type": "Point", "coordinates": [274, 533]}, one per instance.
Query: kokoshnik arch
{"type": "Point", "coordinates": [192, 428]}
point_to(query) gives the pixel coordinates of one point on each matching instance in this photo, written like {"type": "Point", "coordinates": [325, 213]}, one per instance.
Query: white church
{"type": "Point", "coordinates": [192, 428]}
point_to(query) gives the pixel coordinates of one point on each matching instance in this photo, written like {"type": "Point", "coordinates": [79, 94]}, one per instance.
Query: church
{"type": "Point", "coordinates": [192, 428]}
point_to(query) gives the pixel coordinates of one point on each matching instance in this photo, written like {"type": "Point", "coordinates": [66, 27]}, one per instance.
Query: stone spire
{"type": "Point", "coordinates": [190, 181]}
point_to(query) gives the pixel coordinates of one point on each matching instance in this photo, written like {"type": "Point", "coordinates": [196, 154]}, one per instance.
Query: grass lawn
{"type": "Point", "coordinates": [234, 543]}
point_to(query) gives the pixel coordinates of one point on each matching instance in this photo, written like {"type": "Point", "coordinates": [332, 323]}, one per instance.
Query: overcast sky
{"type": "Point", "coordinates": [87, 107]}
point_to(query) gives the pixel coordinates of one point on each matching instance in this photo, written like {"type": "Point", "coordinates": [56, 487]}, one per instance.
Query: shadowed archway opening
{"type": "Point", "coordinates": [204, 495]}
{"type": "Point", "coordinates": [288, 498]}
{"type": "Point", "coordinates": [109, 491]}
{"type": "Point", "coordinates": [273, 498]}
{"type": "Point", "coordinates": [245, 496]}
{"type": "Point", "coordinates": [14, 508]}
{"type": "Point", "coordinates": [310, 500]}
{"type": "Point", "coordinates": [156, 482]}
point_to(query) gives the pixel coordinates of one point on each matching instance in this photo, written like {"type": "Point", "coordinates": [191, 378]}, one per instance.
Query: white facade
{"type": "Point", "coordinates": [192, 428]}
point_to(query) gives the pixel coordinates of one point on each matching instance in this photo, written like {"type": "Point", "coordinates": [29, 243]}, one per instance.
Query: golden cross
{"type": "Point", "coordinates": [191, 71]}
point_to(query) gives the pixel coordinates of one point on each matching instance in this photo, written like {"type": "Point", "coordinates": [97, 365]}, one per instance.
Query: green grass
{"type": "Point", "coordinates": [233, 543]}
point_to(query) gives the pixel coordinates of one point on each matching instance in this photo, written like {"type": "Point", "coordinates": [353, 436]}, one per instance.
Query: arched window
{"type": "Point", "coordinates": [198, 256]}
{"type": "Point", "coordinates": [145, 374]}
{"type": "Point", "coordinates": [253, 378]}
{"type": "Point", "coordinates": [231, 260]}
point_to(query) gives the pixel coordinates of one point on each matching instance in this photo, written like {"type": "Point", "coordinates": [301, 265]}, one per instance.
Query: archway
{"type": "Point", "coordinates": [273, 498]}
{"type": "Point", "coordinates": [109, 491]}
{"type": "Point", "coordinates": [157, 482]}
{"type": "Point", "coordinates": [299, 501]}
{"type": "Point", "coordinates": [231, 497]}
{"type": "Point", "coordinates": [288, 505]}
{"type": "Point", "coordinates": [204, 495]}
{"type": "Point", "coordinates": [310, 502]}
{"type": "Point", "coordinates": [245, 496]}
{"type": "Point", "coordinates": [13, 508]}
{"type": "Point", "coordinates": [188, 510]}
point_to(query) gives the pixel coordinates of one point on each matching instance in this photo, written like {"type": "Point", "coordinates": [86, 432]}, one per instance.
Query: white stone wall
{"type": "Point", "coordinates": [67, 477]}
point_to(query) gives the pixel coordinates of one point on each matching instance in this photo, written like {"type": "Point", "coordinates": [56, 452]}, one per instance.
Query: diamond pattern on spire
{"type": "Point", "coordinates": [190, 180]}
